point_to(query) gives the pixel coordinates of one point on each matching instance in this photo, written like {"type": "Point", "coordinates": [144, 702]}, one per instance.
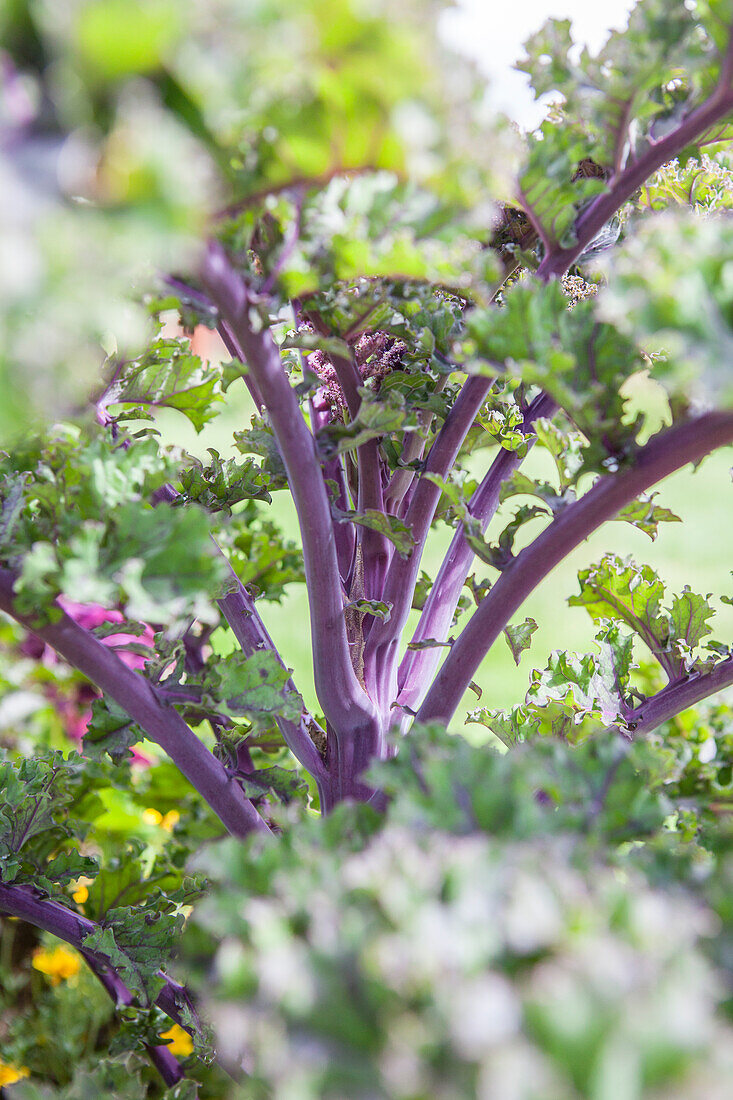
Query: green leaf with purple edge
{"type": "Point", "coordinates": [689, 617]}
{"type": "Point", "coordinates": [111, 730]}
{"type": "Point", "coordinates": [254, 686]}
{"type": "Point", "coordinates": [644, 514]}
{"type": "Point", "coordinates": [519, 637]}
{"type": "Point", "coordinates": [378, 608]}
{"type": "Point", "coordinates": [391, 527]}
{"type": "Point", "coordinates": [167, 376]}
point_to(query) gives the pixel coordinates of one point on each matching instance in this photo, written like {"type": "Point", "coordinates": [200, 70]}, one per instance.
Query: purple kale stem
{"type": "Point", "coordinates": [376, 547]}
{"type": "Point", "coordinates": [239, 611]}
{"type": "Point", "coordinates": [413, 448]}
{"type": "Point", "coordinates": [674, 698]}
{"type": "Point", "coordinates": [380, 658]}
{"type": "Point", "coordinates": [25, 902]}
{"type": "Point", "coordinates": [344, 533]}
{"type": "Point", "coordinates": [333, 470]}
{"type": "Point", "coordinates": [419, 666]}
{"type": "Point", "coordinates": [167, 1065]}
{"type": "Point", "coordinates": [720, 103]}
{"type": "Point", "coordinates": [665, 453]}
{"type": "Point", "coordinates": [184, 288]}
{"type": "Point", "coordinates": [401, 480]}
{"type": "Point", "coordinates": [346, 759]}
{"type": "Point", "coordinates": [161, 723]}
{"type": "Point", "coordinates": [230, 343]}
{"type": "Point", "coordinates": [347, 708]}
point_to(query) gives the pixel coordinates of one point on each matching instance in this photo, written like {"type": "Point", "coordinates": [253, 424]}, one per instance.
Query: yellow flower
{"type": "Point", "coordinates": [81, 893]}
{"type": "Point", "coordinates": [58, 964]}
{"type": "Point", "coordinates": [170, 820]}
{"type": "Point", "coordinates": [179, 1041]}
{"type": "Point", "coordinates": [10, 1074]}
{"type": "Point", "coordinates": [152, 816]}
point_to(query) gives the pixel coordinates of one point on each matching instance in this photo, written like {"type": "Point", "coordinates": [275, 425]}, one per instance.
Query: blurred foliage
{"type": "Point", "coordinates": [494, 934]}
{"type": "Point", "coordinates": [129, 125]}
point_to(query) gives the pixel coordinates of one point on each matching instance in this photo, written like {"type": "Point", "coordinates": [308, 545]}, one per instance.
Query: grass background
{"type": "Point", "coordinates": [696, 552]}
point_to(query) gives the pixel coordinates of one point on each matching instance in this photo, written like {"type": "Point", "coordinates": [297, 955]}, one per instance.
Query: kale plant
{"type": "Point", "coordinates": [411, 299]}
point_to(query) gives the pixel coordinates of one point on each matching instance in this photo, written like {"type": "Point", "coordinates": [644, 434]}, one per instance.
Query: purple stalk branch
{"type": "Point", "coordinates": [185, 289]}
{"type": "Point", "coordinates": [725, 77]}
{"type": "Point", "coordinates": [720, 103]}
{"type": "Point", "coordinates": [401, 480]}
{"type": "Point", "coordinates": [236, 352]}
{"type": "Point", "coordinates": [622, 131]}
{"type": "Point", "coordinates": [380, 658]}
{"type": "Point", "coordinates": [346, 706]}
{"type": "Point", "coordinates": [24, 902]}
{"type": "Point", "coordinates": [412, 450]}
{"type": "Point", "coordinates": [161, 723]}
{"type": "Point", "coordinates": [344, 533]}
{"type": "Point", "coordinates": [333, 470]}
{"type": "Point", "coordinates": [167, 1065]}
{"type": "Point", "coordinates": [675, 698]}
{"type": "Point", "coordinates": [418, 666]}
{"type": "Point", "coordinates": [665, 453]}
{"type": "Point", "coordinates": [376, 548]}
{"type": "Point", "coordinates": [240, 612]}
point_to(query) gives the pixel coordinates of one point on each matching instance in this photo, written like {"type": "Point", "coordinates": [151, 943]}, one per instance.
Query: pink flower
{"type": "Point", "coordinates": [91, 615]}
{"type": "Point", "coordinates": [76, 712]}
